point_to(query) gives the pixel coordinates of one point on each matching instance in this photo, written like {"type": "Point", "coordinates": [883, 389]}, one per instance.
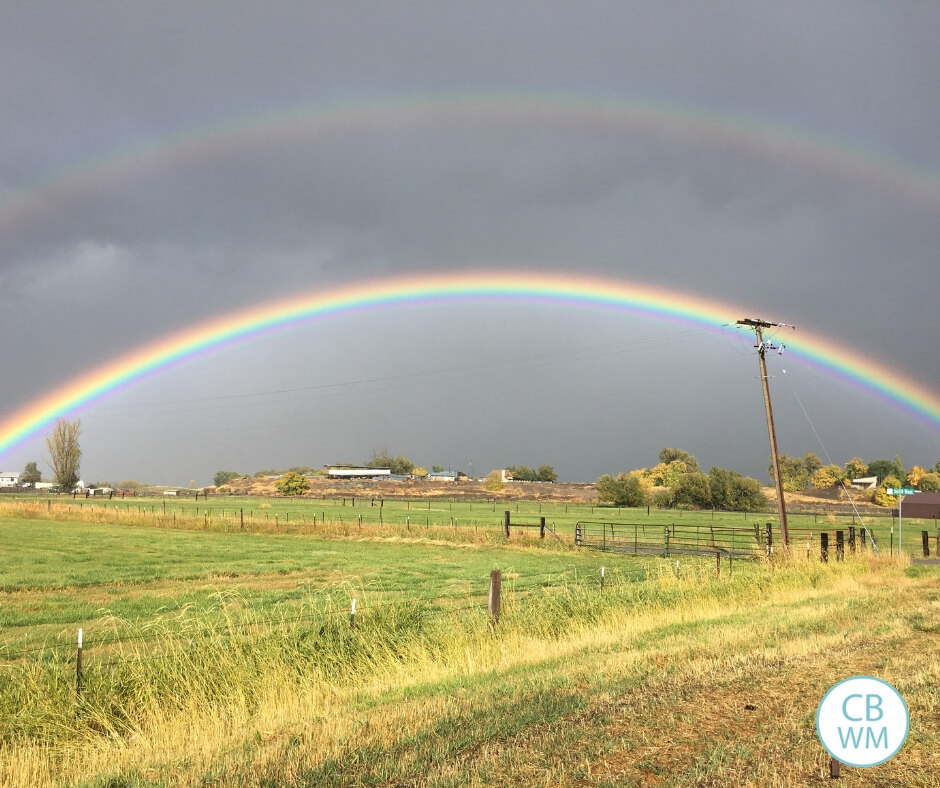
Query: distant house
{"type": "Point", "coordinates": [866, 483]}
{"type": "Point", "coordinates": [356, 472]}
{"type": "Point", "coordinates": [9, 478]}
{"type": "Point", "coordinates": [171, 492]}
{"type": "Point", "coordinates": [447, 476]}
{"type": "Point", "coordinates": [920, 504]}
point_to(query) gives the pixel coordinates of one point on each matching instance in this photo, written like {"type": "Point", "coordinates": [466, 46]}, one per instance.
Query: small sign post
{"type": "Point", "coordinates": [900, 492]}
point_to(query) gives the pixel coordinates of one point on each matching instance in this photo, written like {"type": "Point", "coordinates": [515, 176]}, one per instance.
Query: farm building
{"type": "Point", "coordinates": [9, 478]}
{"type": "Point", "coordinates": [920, 504]}
{"type": "Point", "coordinates": [446, 476]}
{"type": "Point", "coordinates": [356, 472]}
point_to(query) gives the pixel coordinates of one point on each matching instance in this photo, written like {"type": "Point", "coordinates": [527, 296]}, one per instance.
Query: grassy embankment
{"type": "Point", "coordinates": [238, 665]}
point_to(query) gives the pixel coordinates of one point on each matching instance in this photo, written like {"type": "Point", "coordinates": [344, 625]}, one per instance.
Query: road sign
{"type": "Point", "coordinates": [900, 491]}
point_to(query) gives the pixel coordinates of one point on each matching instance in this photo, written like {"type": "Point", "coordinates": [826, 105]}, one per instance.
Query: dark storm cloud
{"type": "Point", "coordinates": [99, 268]}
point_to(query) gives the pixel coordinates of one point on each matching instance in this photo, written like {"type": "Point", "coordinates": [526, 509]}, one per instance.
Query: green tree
{"type": "Point", "coordinates": [692, 489]}
{"type": "Point", "coordinates": [627, 489]}
{"type": "Point", "coordinates": [885, 468]}
{"type": "Point", "coordinates": [930, 482]}
{"type": "Point", "coordinates": [65, 453]}
{"type": "Point", "coordinates": [419, 471]}
{"type": "Point", "coordinates": [546, 473]}
{"type": "Point", "coordinates": [667, 456]}
{"type": "Point", "coordinates": [291, 484]}
{"type": "Point", "coordinates": [812, 463]}
{"type": "Point", "coordinates": [734, 492]}
{"type": "Point", "coordinates": [827, 476]}
{"type": "Point", "coordinates": [666, 474]}
{"type": "Point", "coordinates": [522, 473]}
{"type": "Point", "coordinates": [398, 465]}
{"type": "Point", "coordinates": [438, 469]}
{"type": "Point", "coordinates": [793, 473]}
{"type": "Point", "coordinates": [31, 474]}
{"type": "Point", "coordinates": [224, 477]}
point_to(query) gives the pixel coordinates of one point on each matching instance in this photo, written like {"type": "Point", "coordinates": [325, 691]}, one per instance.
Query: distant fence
{"type": "Point", "coordinates": [733, 542]}
{"type": "Point", "coordinates": [672, 539]}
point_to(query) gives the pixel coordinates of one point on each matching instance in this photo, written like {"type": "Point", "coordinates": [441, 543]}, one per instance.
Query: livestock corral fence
{"type": "Point", "coordinates": [730, 541]}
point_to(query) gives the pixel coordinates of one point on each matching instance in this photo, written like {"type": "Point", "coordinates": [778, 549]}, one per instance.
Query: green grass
{"type": "Point", "coordinates": [221, 657]}
{"type": "Point", "coordinates": [59, 574]}
{"type": "Point", "coordinates": [287, 514]}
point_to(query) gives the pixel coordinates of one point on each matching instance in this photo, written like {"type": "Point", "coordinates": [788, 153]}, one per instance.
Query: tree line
{"type": "Point", "coordinates": [681, 482]}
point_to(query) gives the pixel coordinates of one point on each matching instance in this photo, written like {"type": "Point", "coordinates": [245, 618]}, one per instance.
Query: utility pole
{"type": "Point", "coordinates": [762, 347]}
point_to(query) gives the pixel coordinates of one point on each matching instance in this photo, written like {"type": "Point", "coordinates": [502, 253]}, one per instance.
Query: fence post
{"type": "Point", "coordinates": [496, 583]}
{"type": "Point", "coordinates": [577, 534]}
{"type": "Point", "coordinates": [506, 523]}
{"type": "Point", "coordinates": [852, 547]}
{"type": "Point", "coordinates": [241, 518]}
{"type": "Point", "coordinates": [824, 547]}
{"type": "Point", "coordinates": [717, 564]}
{"type": "Point", "coordinates": [769, 528]}
{"type": "Point", "coordinates": [840, 545]}
{"type": "Point", "coordinates": [835, 768]}
{"type": "Point", "coordinates": [666, 541]}
{"type": "Point", "coordinates": [861, 534]}
{"type": "Point", "coordinates": [78, 668]}
{"type": "Point", "coordinates": [925, 538]}
{"type": "Point", "coordinates": [542, 528]}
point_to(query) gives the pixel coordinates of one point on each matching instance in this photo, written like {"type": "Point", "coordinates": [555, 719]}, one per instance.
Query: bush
{"type": "Point", "coordinates": [291, 484]}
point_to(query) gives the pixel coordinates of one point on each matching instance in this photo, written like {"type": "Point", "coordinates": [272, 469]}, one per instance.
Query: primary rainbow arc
{"type": "Point", "coordinates": [561, 289]}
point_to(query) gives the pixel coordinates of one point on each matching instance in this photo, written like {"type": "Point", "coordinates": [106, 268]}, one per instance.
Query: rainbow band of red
{"type": "Point", "coordinates": [562, 289]}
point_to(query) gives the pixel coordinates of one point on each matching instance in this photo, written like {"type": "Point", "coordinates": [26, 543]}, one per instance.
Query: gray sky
{"type": "Point", "coordinates": [111, 237]}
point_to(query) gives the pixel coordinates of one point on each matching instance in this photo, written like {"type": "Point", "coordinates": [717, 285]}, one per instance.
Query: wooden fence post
{"type": "Point", "coordinates": [925, 538]}
{"type": "Point", "coordinates": [496, 583]}
{"type": "Point", "coordinates": [769, 529]}
{"type": "Point", "coordinates": [506, 523]}
{"type": "Point", "coordinates": [840, 545]}
{"type": "Point", "coordinates": [835, 768]}
{"type": "Point", "coordinates": [542, 529]}
{"type": "Point", "coordinates": [852, 547]}
{"type": "Point", "coordinates": [861, 534]}
{"type": "Point", "coordinates": [78, 668]}
{"type": "Point", "coordinates": [824, 547]}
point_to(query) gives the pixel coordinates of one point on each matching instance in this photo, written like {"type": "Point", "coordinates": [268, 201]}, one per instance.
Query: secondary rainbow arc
{"type": "Point", "coordinates": [590, 292]}
{"type": "Point", "coordinates": [531, 110]}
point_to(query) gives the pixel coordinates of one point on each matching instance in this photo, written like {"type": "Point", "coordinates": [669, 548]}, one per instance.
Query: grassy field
{"type": "Point", "coordinates": [216, 656]}
{"type": "Point", "coordinates": [304, 515]}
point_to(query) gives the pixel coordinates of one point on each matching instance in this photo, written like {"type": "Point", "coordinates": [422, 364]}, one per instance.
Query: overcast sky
{"type": "Point", "coordinates": [149, 181]}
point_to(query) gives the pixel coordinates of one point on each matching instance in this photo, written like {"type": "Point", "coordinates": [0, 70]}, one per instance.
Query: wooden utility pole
{"type": "Point", "coordinates": [762, 347]}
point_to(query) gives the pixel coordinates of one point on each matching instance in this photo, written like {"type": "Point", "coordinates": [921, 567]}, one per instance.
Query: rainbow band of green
{"type": "Point", "coordinates": [529, 111]}
{"type": "Point", "coordinates": [561, 289]}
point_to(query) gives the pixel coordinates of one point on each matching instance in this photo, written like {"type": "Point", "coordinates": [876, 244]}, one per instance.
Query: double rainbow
{"type": "Point", "coordinates": [383, 293]}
